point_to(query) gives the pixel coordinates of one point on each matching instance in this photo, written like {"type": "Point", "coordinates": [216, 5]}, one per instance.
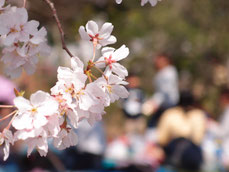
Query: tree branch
{"type": "Point", "coordinates": [52, 7]}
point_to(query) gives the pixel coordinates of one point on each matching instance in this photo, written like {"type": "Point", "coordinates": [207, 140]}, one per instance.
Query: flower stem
{"type": "Point", "coordinates": [24, 4]}
{"type": "Point", "coordinates": [7, 106]}
{"type": "Point", "coordinates": [62, 34]}
{"type": "Point", "coordinates": [7, 116]}
{"type": "Point", "coordinates": [8, 126]}
{"type": "Point", "coordinates": [100, 72]}
{"type": "Point", "coordinates": [94, 48]}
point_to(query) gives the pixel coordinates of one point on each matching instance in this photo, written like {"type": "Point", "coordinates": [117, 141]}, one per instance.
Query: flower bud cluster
{"type": "Point", "coordinates": [22, 40]}
{"type": "Point", "coordinates": [79, 94]}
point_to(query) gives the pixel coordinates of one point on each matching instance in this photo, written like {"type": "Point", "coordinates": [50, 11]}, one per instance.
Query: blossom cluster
{"type": "Point", "coordinates": [22, 40]}
{"type": "Point", "coordinates": [143, 2]}
{"type": "Point", "coordinates": [81, 93]}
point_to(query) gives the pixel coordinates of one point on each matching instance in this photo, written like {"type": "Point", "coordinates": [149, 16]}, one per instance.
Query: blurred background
{"type": "Point", "coordinates": [193, 34]}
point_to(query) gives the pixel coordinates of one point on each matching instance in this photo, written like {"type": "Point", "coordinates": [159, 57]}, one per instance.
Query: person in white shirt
{"type": "Point", "coordinates": [166, 89]}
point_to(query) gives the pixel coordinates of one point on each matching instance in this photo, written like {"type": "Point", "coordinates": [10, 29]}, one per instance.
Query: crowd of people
{"type": "Point", "coordinates": [165, 132]}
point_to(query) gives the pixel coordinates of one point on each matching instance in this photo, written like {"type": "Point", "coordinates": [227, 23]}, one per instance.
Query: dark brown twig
{"type": "Point", "coordinates": [52, 7]}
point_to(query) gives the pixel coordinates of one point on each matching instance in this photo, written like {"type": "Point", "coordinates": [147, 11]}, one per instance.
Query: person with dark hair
{"type": "Point", "coordinates": [166, 89]}
{"type": "Point", "coordinates": [180, 132]}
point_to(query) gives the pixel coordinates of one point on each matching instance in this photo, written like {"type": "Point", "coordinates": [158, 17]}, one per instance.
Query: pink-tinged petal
{"type": "Point", "coordinates": [31, 145]}
{"type": "Point", "coordinates": [73, 117]}
{"type": "Point", "coordinates": [53, 126]}
{"type": "Point", "coordinates": [9, 40]}
{"type": "Point", "coordinates": [107, 51]}
{"type": "Point", "coordinates": [143, 2]}
{"type": "Point", "coordinates": [113, 97]}
{"type": "Point", "coordinates": [38, 98]}
{"type": "Point", "coordinates": [120, 70]}
{"type": "Point", "coordinates": [50, 107]}
{"type": "Point", "coordinates": [106, 30]}
{"type": "Point", "coordinates": [82, 114]}
{"type": "Point", "coordinates": [121, 53]}
{"type": "Point", "coordinates": [108, 72]}
{"type": "Point", "coordinates": [8, 136]}
{"type": "Point", "coordinates": [39, 121]}
{"type": "Point", "coordinates": [113, 79]}
{"type": "Point", "coordinates": [22, 15]}
{"type": "Point", "coordinates": [153, 2]}
{"type": "Point", "coordinates": [84, 35]}
{"type": "Point", "coordinates": [118, 1]}
{"type": "Point", "coordinates": [109, 40]}
{"type": "Point", "coordinates": [39, 36]}
{"type": "Point", "coordinates": [57, 141]}
{"type": "Point", "coordinates": [76, 64]}
{"type": "Point", "coordinates": [23, 121]}
{"type": "Point", "coordinates": [121, 91]}
{"type": "Point", "coordinates": [92, 28]}
{"type": "Point", "coordinates": [85, 102]}
{"type": "Point", "coordinates": [31, 27]}
{"type": "Point", "coordinates": [94, 118]}
{"type": "Point", "coordinates": [6, 150]}
{"type": "Point", "coordinates": [25, 134]}
{"type": "Point", "coordinates": [73, 138]}
{"type": "Point", "coordinates": [42, 146]}
{"type": "Point", "coordinates": [22, 104]}
{"type": "Point", "coordinates": [64, 73]}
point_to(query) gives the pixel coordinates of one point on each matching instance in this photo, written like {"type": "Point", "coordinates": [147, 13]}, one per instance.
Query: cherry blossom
{"type": "Point", "coordinates": [40, 143]}
{"type": "Point", "coordinates": [118, 1]}
{"type": "Point", "coordinates": [152, 2]}
{"type": "Point", "coordinates": [33, 114]}
{"type": "Point", "coordinates": [23, 42]}
{"type": "Point", "coordinates": [98, 37]}
{"type": "Point", "coordinates": [113, 87]}
{"type": "Point", "coordinates": [66, 138]}
{"type": "Point", "coordinates": [6, 137]}
{"type": "Point", "coordinates": [16, 26]}
{"type": "Point", "coordinates": [79, 93]}
{"type": "Point", "coordinates": [110, 57]}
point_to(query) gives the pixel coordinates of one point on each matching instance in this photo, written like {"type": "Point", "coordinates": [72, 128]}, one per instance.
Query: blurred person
{"type": "Point", "coordinates": [221, 129]}
{"type": "Point", "coordinates": [132, 106]}
{"type": "Point", "coordinates": [166, 89]}
{"type": "Point", "coordinates": [180, 132]}
{"type": "Point", "coordinates": [90, 148]}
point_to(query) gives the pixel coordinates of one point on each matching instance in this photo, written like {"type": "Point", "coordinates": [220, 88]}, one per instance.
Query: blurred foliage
{"type": "Point", "coordinates": [193, 32]}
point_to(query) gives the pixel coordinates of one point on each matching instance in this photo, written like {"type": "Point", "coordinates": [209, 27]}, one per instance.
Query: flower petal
{"type": "Point", "coordinates": [92, 28]}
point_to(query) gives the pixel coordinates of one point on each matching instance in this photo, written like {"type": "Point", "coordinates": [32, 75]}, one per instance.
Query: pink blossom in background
{"type": "Point", "coordinates": [6, 90]}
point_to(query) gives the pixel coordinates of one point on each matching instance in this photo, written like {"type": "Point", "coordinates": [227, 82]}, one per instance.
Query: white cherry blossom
{"type": "Point", "coordinates": [66, 138]}
{"type": "Point", "coordinates": [98, 37]}
{"type": "Point", "coordinates": [40, 143]}
{"type": "Point", "coordinates": [16, 26]}
{"type": "Point", "coordinates": [118, 1]}
{"type": "Point", "coordinates": [113, 86]}
{"type": "Point", "coordinates": [6, 138]}
{"type": "Point", "coordinates": [33, 114]}
{"type": "Point", "coordinates": [152, 2]}
{"type": "Point", "coordinates": [110, 57]}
